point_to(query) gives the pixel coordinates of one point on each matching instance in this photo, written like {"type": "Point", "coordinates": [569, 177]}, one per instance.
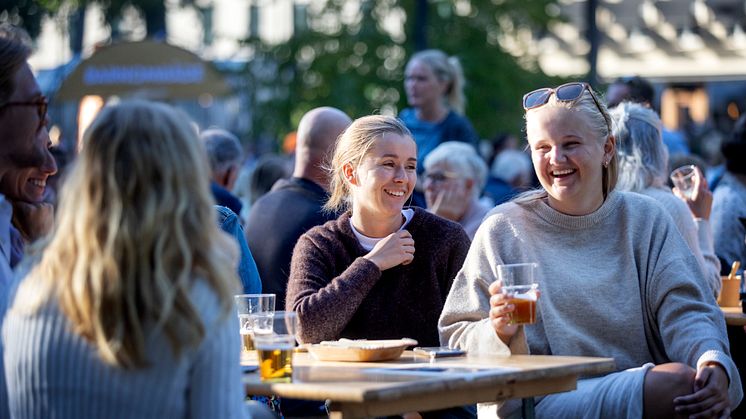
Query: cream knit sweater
{"type": "Point", "coordinates": [620, 282]}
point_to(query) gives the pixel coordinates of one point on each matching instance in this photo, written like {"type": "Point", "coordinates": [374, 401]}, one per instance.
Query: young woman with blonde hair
{"type": "Point", "coordinates": [125, 308]}
{"type": "Point", "coordinates": [616, 280]}
{"type": "Point", "coordinates": [359, 276]}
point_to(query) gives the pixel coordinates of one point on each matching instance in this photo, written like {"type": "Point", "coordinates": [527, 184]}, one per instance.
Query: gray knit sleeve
{"type": "Point", "coordinates": [464, 322]}
{"type": "Point", "coordinates": [215, 388]}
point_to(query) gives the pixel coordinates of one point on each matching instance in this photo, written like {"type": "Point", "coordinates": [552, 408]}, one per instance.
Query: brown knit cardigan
{"type": "Point", "coordinates": [339, 294]}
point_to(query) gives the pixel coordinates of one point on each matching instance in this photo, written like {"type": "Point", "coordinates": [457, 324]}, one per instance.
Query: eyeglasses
{"type": "Point", "coordinates": [437, 177]}
{"type": "Point", "coordinates": [41, 108]}
{"type": "Point", "coordinates": [568, 92]}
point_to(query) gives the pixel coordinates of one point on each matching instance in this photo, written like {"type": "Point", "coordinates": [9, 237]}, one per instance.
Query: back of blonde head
{"type": "Point", "coordinates": [351, 147]}
{"type": "Point", "coordinates": [446, 69]}
{"type": "Point", "coordinates": [600, 123]}
{"type": "Point", "coordinates": [135, 226]}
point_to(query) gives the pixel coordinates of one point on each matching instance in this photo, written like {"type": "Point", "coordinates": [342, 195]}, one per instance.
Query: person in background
{"type": "Point", "coordinates": [637, 89]}
{"type": "Point", "coordinates": [225, 156]}
{"type": "Point", "coordinates": [293, 206]}
{"type": "Point", "coordinates": [643, 168]}
{"type": "Point", "coordinates": [248, 272]}
{"type": "Point", "coordinates": [126, 310]}
{"type": "Point", "coordinates": [454, 178]}
{"type": "Point", "coordinates": [511, 174]}
{"type": "Point", "coordinates": [268, 170]}
{"type": "Point", "coordinates": [729, 201]}
{"type": "Point", "coordinates": [25, 164]}
{"type": "Point", "coordinates": [434, 85]}
{"type": "Point", "coordinates": [26, 159]}
{"type": "Point", "coordinates": [359, 276]}
{"type": "Point", "coordinates": [615, 276]}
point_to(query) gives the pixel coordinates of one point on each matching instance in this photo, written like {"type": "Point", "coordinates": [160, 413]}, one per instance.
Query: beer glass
{"type": "Point", "coordinates": [255, 313]}
{"type": "Point", "coordinates": [275, 350]}
{"type": "Point", "coordinates": [521, 289]}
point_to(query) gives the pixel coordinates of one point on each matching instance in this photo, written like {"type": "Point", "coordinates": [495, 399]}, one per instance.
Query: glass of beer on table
{"type": "Point", "coordinates": [255, 312]}
{"type": "Point", "coordinates": [275, 350]}
{"type": "Point", "coordinates": [519, 286]}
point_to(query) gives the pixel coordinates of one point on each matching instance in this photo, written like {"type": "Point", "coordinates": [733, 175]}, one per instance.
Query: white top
{"type": "Point", "coordinates": [368, 243]}
{"type": "Point", "coordinates": [619, 282]}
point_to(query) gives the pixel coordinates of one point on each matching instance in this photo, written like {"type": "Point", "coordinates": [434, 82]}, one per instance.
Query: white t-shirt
{"type": "Point", "coordinates": [369, 243]}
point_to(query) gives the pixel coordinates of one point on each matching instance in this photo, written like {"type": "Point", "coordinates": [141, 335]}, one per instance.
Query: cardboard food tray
{"type": "Point", "coordinates": [360, 350]}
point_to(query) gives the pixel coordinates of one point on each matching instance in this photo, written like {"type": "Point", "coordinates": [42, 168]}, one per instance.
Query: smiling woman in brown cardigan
{"type": "Point", "coordinates": [379, 271]}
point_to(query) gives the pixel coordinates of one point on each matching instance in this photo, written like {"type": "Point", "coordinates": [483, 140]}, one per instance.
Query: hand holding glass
{"type": "Point", "coordinates": [683, 179]}
{"type": "Point", "coordinates": [521, 291]}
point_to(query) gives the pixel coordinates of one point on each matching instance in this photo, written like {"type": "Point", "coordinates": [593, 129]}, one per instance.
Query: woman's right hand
{"type": "Point", "coordinates": [500, 313]}
{"type": "Point", "coordinates": [394, 250]}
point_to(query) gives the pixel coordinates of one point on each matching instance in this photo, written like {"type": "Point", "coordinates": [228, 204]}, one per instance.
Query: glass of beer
{"type": "Point", "coordinates": [523, 298]}
{"type": "Point", "coordinates": [254, 316]}
{"type": "Point", "coordinates": [522, 291]}
{"type": "Point", "coordinates": [275, 350]}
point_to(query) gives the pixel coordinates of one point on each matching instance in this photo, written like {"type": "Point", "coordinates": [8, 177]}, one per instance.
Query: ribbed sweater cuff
{"type": "Point", "coordinates": [735, 394]}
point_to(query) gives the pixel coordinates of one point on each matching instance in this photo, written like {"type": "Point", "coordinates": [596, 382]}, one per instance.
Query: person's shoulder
{"type": "Point", "coordinates": [328, 231]}
{"type": "Point", "coordinates": [435, 228]}
{"type": "Point", "coordinates": [638, 201]}
{"type": "Point", "coordinates": [505, 211]}
{"type": "Point", "coordinates": [406, 113]}
{"type": "Point", "coordinates": [730, 192]}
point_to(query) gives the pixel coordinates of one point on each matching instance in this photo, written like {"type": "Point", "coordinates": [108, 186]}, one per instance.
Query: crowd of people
{"type": "Point", "coordinates": [117, 300]}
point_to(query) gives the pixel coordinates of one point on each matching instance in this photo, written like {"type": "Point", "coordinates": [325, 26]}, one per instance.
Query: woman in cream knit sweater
{"type": "Point", "coordinates": [616, 280]}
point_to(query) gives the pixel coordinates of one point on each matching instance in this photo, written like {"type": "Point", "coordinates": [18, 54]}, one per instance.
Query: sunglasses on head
{"type": "Point", "coordinates": [41, 105]}
{"type": "Point", "coordinates": [568, 92]}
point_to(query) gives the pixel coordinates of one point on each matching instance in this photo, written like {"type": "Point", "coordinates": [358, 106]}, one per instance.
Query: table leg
{"type": "Point", "coordinates": [527, 408]}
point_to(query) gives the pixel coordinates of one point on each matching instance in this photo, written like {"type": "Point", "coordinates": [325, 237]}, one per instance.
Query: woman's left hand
{"type": "Point", "coordinates": [710, 397]}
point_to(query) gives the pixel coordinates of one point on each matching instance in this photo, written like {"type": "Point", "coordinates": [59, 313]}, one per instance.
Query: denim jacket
{"type": "Point", "coordinates": [247, 271]}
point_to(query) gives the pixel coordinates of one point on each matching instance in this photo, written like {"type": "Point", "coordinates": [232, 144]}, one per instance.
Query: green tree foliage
{"type": "Point", "coordinates": [353, 58]}
{"type": "Point", "coordinates": [28, 14]}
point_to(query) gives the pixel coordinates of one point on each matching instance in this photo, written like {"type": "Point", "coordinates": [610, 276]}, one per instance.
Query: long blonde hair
{"type": "Point", "coordinates": [351, 147]}
{"type": "Point", "coordinates": [600, 123]}
{"type": "Point", "coordinates": [135, 227]}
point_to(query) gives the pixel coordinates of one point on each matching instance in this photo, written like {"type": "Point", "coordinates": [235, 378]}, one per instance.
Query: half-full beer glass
{"type": "Point", "coordinates": [275, 350]}
{"type": "Point", "coordinates": [521, 289]}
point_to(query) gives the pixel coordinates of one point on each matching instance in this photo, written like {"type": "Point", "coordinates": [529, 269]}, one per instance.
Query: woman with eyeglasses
{"type": "Point", "coordinates": [643, 168]}
{"type": "Point", "coordinates": [381, 270]}
{"type": "Point", "coordinates": [616, 280]}
{"type": "Point", "coordinates": [25, 159]}
{"type": "Point", "coordinates": [454, 178]}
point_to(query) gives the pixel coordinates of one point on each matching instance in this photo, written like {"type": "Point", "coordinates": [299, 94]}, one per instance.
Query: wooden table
{"type": "Point", "coordinates": [734, 316]}
{"type": "Point", "coordinates": [414, 383]}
